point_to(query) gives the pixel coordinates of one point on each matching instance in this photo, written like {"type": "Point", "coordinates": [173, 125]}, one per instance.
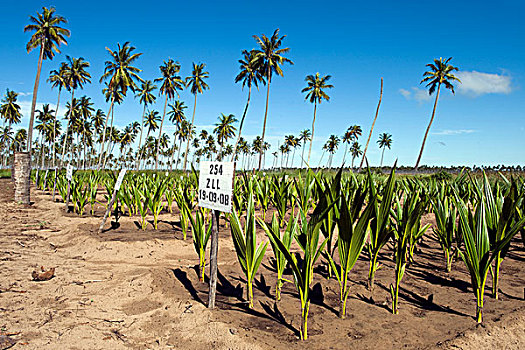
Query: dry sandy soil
{"type": "Point", "coordinates": [127, 288]}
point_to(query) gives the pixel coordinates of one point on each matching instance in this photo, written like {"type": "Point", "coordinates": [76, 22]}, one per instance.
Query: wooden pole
{"type": "Point", "coordinates": [108, 210]}
{"type": "Point", "coordinates": [213, 258]}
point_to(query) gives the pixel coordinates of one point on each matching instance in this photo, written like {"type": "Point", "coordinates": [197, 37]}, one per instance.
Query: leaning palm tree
{"type": "Point", "coordinates": [440, 73]}
{"type": "Point", "coordinates": [48, 35]}
{"type": "Point", "coordinates": [224, 130]}
{"type": "Point", "coordinates": [122, 76]}
{"type": "Point", "coordinates": [196, 82]}
{"type": "Point", "coordinates": [171, 82]}
{"type": "Point", "coordinates": [250, 74]}
{"type": "Point", "coordinates": [269, 60]}
{"type": "Point", "coordinates": [385, 141]}
{"type": "Point", "coordinates": [373, 123]}
{"type": "Point", "coordinates": [315, 93]}
{"type": "Point", "coordinates": [146, 97]}
{"type": "Point", "coordinates": [304, 136]}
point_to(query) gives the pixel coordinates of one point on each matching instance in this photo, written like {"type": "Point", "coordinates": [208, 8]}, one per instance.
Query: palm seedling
{"type": "Point", "coordinates": [352, 225]}
{"type": "Point", "coordinates": [141, 204]}
{"type": "Point", "coordinates": [154, 199]}
{"type": "Point", "coordinates": [248, 253]}
{"type": "Point", "coordinates": [446, 229]}
{"type": "Point", "coordinates": [407, 219]}
{"type": "Point", "coordinates": [201, 236]}
{"type": "Point", "coordinates": [281, 196]}
{"type": "Point", "coordinates": [380, 225]}
{"type": "Point", "coordinates": [287, 237]}
{"type": "Point", "coordinates": [477, 254]}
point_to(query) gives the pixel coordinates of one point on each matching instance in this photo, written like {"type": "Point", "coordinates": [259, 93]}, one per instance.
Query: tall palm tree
{"type": "Point", "coordinates": [177, 116]}
{"type": "Point", "coordinates": [304, 136]}
{"type": "Point", "coordinates": [315, 93]}
{"type": "Point", "coordinates": [250, 74]}
{"type": "Point", "coordinates": [44, 118]}
{"type": "Point", "coordinates": [151, 121]}
{"type": "Point", "coordinates": [10, 112]}
{"type": "Point", "coordinates": [57, 78]}
{"type": "Point", "coordinates": [48, 35]}
{"type": "Point", "coordinates": [171, 82]}
{"type": "Point", "coordinates": [122, 76]}
{"type": "Point", "coordinates": [332, 145]}
{"type": "Point", "coordinates": [440, 73]}
{"type": "Point", "coordinates": [76, 76]}
{"type": "Point", "coordinates": [224, 130]}
{"type": "Point", "coordinates": [197, 84]}
{"type": "Point", "coordinates": [385, 141]}
{"type": "Point", "coordinates": [146, 97]}
{"type": "Point", "coordinates": [351, 134]}
{"type": "Point", "coordinates": [20, 140]}
{"type": "Point", "coordinates": [373, 123]}
{"type": "Point", "coordinates": [355, 150]}
{"type": "Point", "coordinates": [269, 57]}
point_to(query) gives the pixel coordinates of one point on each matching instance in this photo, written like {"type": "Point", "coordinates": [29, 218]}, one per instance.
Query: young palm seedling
{"type": "Point", "coordinates": [201, 236]}
{"type": "Point", "coordinates": [249, 254]}
{"type": "Point", "coordinates": [446, 225]}
{"type": "Point", "coordinates": [155, 203]}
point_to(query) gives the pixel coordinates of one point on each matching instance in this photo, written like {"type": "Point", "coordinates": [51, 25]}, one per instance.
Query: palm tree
{"type": "Point", "coordinates": [146, 97]}
{"type": "Point", "coordinates": [171, 82]}
{"type": "Point", "coordinates": [355, 150]}
{"type": "Point", "coordinates": [332, 145]}
{"type": "Point", "coordinates": [385, 141]}
{"type": "Point", "coordinates": [10, 111]}
{"type": "Point", "coordinates": [20, 140]}
{"type": "Point", "coordinates": [76, 76]}
{"type": "Point", "coordinates": [57, 79]}
{"type": "Point", "coordinates": [176, 116]}
{"type": "Point", "coordinates": [304, 136]}
{"type": "Point", "coordinates": [43, 118]}
{"type": "Point", "coordinates": [315, 93]}
{"type": "Point", "coordinates": [224, 130]}
{"type": "Point", "coordinates": [269, 60]}
{"type": "Point", "coordinates": [351, 134]}
{"type": "Point", "coordinates": [373, 123]}
{"type": "Point", "coordinates": [47, 36]}
{"type": "Point", "coordinates": [250, 74]}
{"type": "Point", "coordinates": [6, 137]}
{"type": "Point", "coordinates": [122, 76]}
{"type": "Point", "coordinates": [197, 82]}
{"type": "Point", "coordinates": [440, 73]}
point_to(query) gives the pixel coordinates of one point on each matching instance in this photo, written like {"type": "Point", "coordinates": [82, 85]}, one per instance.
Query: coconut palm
{"type": "Point", "coordinates": [269, 58]}
{"type": "Point", "coordinates": [331, 146]}
{"type": "Point", "coordinates": [304, 136]}
{"type": "Point", "coordinates": [122, 76]}
{"type": "Point", "coordinates": [20, 140]}
{"type": "Point", "coordinates": [224, 130]}
{"type": "Point", "coordinates": [171, 82]}
{"type": "Point", "coordinates": [196, 82]}
{"type": "Point", "coordinates": [250, 74]}
{"type": "Point", "coordinates": [44, 118]}
{"type": "Point", "coordinates": [48, 35]}
{"type": "Point", "coordinates": [146, 97]}
{"type": "Point", "coordinates": [315, 93]}
{"type": "Point", "coordinates": [373, 123]}
{"type": "Point", "coordinates": [10, 109]}
{"type": "Point", "coordinates": [57, 78]}
{"type": "Point", "coordinates": [385, 141]}
{"type": "Point", "coordinates": [176, 116]}
{"type": "Point", "coordinates": [355, 150]}
{"type": "Point", "coordinates": [351, 134]}
{"type": "Point", "coordinates": [440, 73]}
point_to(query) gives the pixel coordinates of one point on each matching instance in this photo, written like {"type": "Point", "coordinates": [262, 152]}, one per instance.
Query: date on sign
{"type": "Point", "coordinates": [213, 197]}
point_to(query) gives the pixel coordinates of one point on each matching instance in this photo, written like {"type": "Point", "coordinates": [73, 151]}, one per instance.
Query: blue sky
{"type": "Point", "coordinates": [356, 43]}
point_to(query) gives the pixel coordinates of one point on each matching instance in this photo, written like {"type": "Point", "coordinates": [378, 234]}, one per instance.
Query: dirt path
{"type": "Point", "coordinates": [127, 288]}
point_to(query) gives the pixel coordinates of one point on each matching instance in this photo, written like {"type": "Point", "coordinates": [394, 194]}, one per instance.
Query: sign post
{"type": "Point", "coordinates": [69, 177]}
{"type": "Point", "coordinates": [215, 192]}
{"type": "Point", "coordinates": [118, 183]}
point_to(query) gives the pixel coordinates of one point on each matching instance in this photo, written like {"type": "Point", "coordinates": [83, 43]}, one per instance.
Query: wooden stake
{"type": "Point", "coordinates": [213, 257]}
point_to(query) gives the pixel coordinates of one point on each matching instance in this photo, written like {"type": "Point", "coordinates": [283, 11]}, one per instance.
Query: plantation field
{"type": "Point", "coordinates": [132, 288]}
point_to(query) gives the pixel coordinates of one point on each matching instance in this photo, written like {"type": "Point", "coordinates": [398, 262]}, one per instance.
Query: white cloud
{"type": "Point", "coordinates": [25, 93]}
{"type": "Point", "coordinates": [25, 108]}
{"type": "Point", "coordinates": [417, 94]}
{"type": "Point", "coordinates": [478, 83]}
{"type": "Point", "coordinates": [454, 132]}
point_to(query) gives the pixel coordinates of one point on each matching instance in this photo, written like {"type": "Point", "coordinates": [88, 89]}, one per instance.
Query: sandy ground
{"type": "Point", "coordinates": [127, 288]}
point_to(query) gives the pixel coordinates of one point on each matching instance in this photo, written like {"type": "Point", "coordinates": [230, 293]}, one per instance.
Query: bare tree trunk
{"type": "Point", "coordinates": [372, 128]}
{"type": "Point", "coordinates": [55, 128]}
{"type": "Point", "coordinates": [242, 122]}
{"type": "Point", "coordinates": [160, 133]}
{"type": "Point", "coordinates": [428, 128]}
{"type": "Point", "coordinates": [269, 78]}
{"type": "Point", "coordinates": [137, 166]}
{"type": "Point", "coordinates": [33, 102]}
{"type": "Point", "coordinates": [104, 133]}
{"type": "Point", "coordinates": [67, 128]}
{"type": "Point", "coordinates": [22, 166]}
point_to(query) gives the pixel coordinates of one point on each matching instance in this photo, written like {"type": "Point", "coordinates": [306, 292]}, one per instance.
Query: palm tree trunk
{"type": "Point", "coordinates": [67, 128]}
{"type": "Point", "coordinates": [313, 129]}
{"type": "Point", "coordinates": [33, 103]}
{"type": "Point", "coordinates": [55, 128]}
{"type": "Point", "coordinates": [302, 154]}
{"type": "Point", "coordinates": [160, 132]}
{"type": "Point", "coordinates": [140, 138]}
{"type": "Point", "coordinates": [428, 128]}
{"type": "Point", "coordinates": [269, 78]}
{"type": "Point", "coordinates": [104, 132]}
{"type": "Point", "coordinates": [382, 154]}
{"type": "Point", "coordinates": [372, 128]}
{"type": "Point", "coordinates": [293, 156]}
{"type": "Point", "coordinates": [189, 134]}
{"type": "Point", "coordinates": [242, 122]}
{"type": "Point", "coordinates": [344, 155]}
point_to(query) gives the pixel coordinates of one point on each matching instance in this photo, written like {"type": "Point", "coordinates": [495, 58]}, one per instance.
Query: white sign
{"type": "Point", "coordinates": [69, 172]}
{"type": "Point", "coordinates": [216, 185]}
{"type": "Point", "coordinates": [119, 179]}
